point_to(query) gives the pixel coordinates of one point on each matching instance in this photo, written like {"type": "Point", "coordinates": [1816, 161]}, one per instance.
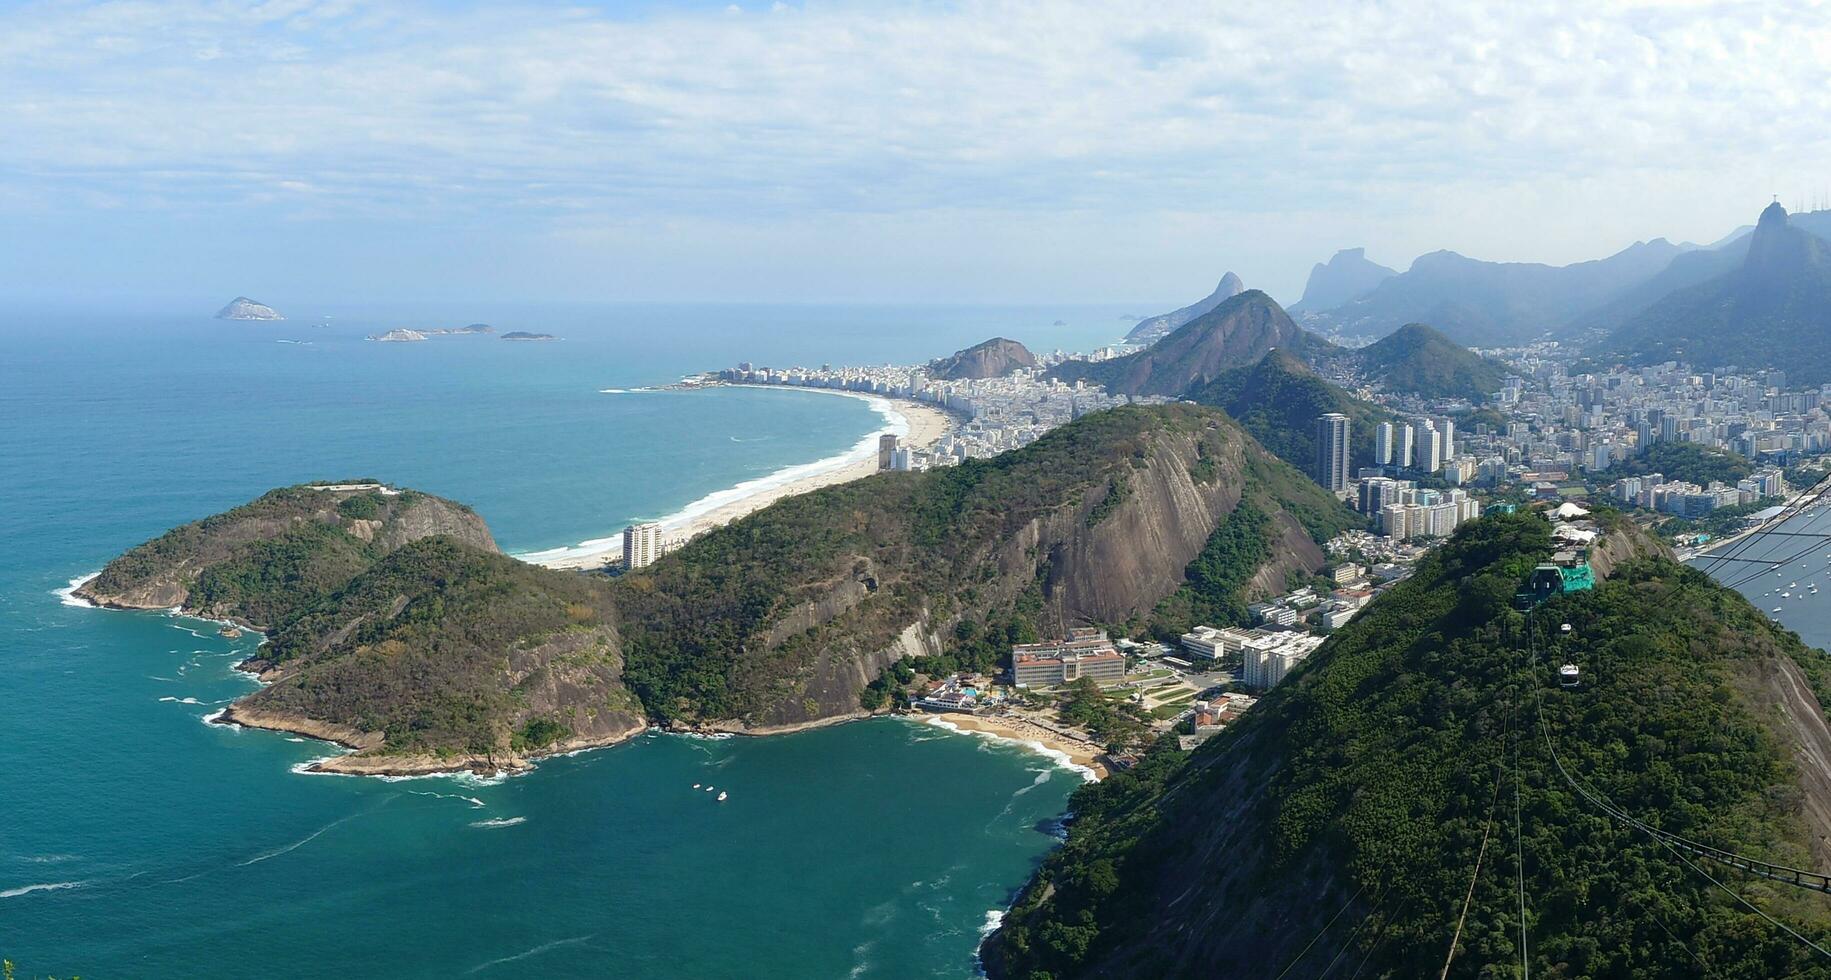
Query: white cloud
{"type": "Point", "coordinates": [1553, 131]}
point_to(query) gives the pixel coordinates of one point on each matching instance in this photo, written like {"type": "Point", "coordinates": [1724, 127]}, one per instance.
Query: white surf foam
{"type": "Point", "coordinates": [67, 594]}
{"type": "Point", "coordinates": [1058, 757]}
{"type": "Point", "coordinates": [51, 886]}
{"type": "Point", "coordinates": [500, 822]}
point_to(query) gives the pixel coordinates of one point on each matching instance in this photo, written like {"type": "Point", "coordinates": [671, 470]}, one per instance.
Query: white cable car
{"type": "Point", "coordinates": [1568, 676]}
{"type": "Point", "coordinates": [1564, 628]}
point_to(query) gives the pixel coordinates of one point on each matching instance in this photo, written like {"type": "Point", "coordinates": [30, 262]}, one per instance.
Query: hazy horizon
{"type": "Point", "coordinates": [970, 153]}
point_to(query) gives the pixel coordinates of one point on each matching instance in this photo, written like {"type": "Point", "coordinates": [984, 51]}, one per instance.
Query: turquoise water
{"type": "Point", "coordinates": [138, 841]}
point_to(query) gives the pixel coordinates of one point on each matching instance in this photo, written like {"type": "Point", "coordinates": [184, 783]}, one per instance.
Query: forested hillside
{"type": "Point", "coordinates": [1390, 808]}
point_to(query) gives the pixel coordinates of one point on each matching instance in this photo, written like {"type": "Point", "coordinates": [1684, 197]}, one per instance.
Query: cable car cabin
{"type": "Point", "coordinates": [1569, 676]}
{"type": "Point", "coordinates": [1552, 579]}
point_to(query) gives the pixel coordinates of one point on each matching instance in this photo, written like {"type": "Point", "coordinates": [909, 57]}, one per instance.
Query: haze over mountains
{"type": "Point", "coordinates": [1754, 299]}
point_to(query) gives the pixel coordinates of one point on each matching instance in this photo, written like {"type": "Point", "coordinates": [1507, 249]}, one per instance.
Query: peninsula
{"type": "Point", "coordinates": [397, 629]}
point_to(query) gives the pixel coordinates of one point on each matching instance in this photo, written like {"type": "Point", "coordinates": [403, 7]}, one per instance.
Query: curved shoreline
{"type": "Point", "coordinates": [921, 424]}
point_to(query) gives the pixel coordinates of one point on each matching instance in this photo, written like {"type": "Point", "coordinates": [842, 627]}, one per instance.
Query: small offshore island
{"type": "Point", "coordinates": [243, 308]}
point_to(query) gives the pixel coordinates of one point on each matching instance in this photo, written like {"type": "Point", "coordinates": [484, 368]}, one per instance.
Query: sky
{"type": "Point", "coordinates": [970, 152]}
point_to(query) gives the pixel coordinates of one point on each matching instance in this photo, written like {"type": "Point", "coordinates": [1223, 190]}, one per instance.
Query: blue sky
{"type": "Point", "coordinates": [946, 152]}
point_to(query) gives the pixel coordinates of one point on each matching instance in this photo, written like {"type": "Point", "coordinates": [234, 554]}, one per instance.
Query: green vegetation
{"type": "Point", "coordinates": [1417, 360]}
{"type": "Point", "coordinates": [702, 629]}
{"type": "Point", "coordinates": [1351, 806]}
{"type": "Point", "coordinates": [1117, 724]}
{"type": "Point", "coordinates": [1215, 593]}
{"type": "Point", "coordinates": [442, 647]}
{"type": "Point", "coordinates": [1688, 461]}
{"type": "Point", "coordinates": [1278, 400]}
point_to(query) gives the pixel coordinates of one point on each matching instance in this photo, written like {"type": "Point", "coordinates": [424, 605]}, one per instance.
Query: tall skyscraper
{"type": "Point", "coordinates": [1332, 452]}
{"type": "Point", "coordinates": [1382, 444]}
{"type": "Point", "coordinates": [886, 451]}
{"type": "Point", "coordinates": [1404, 450]}
{"type": "Point", "coordinates": [1446, 427]}
{"type": "Point", "coordinates": [641, 545]}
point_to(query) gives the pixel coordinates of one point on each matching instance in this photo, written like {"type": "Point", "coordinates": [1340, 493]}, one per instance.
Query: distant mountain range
{"type": "Point", "coordinates": [1153, 328]}
{"type": "Point", "coordinates": [1770, 310]}
{"type": "Point", "coordinates": [994, 358]}
{"type": "Point", "coordinates": [1238, 332]}
{"type": "Point", "coordinates": [1347, 276]}
{"type": "Point", "coordinates": [1480, 303]}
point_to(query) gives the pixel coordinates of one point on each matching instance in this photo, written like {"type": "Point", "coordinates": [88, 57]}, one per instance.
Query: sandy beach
{"type": "Point", "coordinates": [1080, 753]}
{"type": "Point", "coordinates": [918, 424]}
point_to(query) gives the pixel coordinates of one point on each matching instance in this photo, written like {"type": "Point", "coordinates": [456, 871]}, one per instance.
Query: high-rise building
{"type": "Point", "coordinates": [1332, 452]}
{"type": "Point", "coordinates": [641, 545]}
{"type": "Point", "coordinates": [1428, 447]}
{"type": "Point", "coordinates": [1404, 450]}
{"type": "Point", "coordinates": [1446, 427]}
{"type": "Point", "coordinates": [886, 450]}
{"type": "Point", "coordinates": [1382, 444]}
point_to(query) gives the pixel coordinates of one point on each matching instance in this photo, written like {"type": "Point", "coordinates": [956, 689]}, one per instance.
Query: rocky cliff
{"type": "Point", "coordinates": [781, 619]}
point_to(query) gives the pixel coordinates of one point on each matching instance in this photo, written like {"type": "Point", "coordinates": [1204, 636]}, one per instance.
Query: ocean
{"type": "Point", "coordinates": [140, 841]}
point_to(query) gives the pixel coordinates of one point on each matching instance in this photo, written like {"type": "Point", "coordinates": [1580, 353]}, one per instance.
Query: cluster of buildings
{"type": "Point", "coordinates": [1559, 423]}
{"type": "Point", "coordinates": [1212, 717]}
{"type": "Point", "coordinates": [1086, 652]}
{"type": "Point", "coordinates": [1407, 511]}
{"type": "Point", "coordinates": [1654, 492]}
{"type": "Point", "coordinates": [999, 413]}
{"type": "Point", "coordinates": [1265, 656]}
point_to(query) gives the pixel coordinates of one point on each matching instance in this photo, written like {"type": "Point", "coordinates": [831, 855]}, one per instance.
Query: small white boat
{"type": "Point", "coordinates": [708, 789]}
{"type": "Point", "coordinates": [1792, 585]}
{"type": "Point", "coordinates": [721, 797]}
{"type": "Point", "coordinates": [1786, 595]}
{"type": "Point", "coordinates": [1776, 608]}
{"type": "Point", "coordinates": [695, 785]}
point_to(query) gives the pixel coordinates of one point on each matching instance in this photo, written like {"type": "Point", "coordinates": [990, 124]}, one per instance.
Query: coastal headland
{"type": "Point", "coordinates": [397, 629]}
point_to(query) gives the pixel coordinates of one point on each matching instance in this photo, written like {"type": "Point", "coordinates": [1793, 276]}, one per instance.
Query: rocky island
{"type": "Point", "coordinates": [525, 335]}
{"type": "Point", "coordinates": [396, 628]}
{"type": "Point", "coordinates": [400, 336]}
{"type": "Point", "coordinates": [243, 308]}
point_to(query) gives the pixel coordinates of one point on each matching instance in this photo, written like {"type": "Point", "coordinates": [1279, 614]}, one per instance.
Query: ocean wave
{"type": "Point", "coordinates": [993, 919]}
{"type": "Point", "coordinates": [473, 801]}
{"type": "Point", "coordinates": [51, 886]}
{"type": "Point", "coordinates": [67, 594]}
{"type": "Point", "coordinates": [500, 822]}
{"type": "Point", "coordinates": [894, 423]}
{"type": "Point", "coordinates": [46, 858]}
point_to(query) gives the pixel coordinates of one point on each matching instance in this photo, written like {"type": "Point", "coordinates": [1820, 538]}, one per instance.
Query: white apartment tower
{"type": "Point", "coordinates": [1382, 444]}
{"type": "Point", "coordinates": [641, 545]}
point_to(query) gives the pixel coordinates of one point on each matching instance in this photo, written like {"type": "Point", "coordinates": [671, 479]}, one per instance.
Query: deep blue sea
{"type": "Point", "coordinates": [138, 841]}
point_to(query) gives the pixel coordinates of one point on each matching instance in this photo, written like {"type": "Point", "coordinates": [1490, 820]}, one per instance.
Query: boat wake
{"type": "Point", "coordinates": [524, 954]}
{"type": "Point", "coordinates": [52, 886]}
{"type": "Point", "coordinates": [500, 822]}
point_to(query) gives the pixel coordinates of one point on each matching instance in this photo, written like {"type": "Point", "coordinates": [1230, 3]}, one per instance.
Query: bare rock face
{"type": "Point", "coordinates": [1098, 560]}
{"type": "Point", "coordinates": [994, 358]}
